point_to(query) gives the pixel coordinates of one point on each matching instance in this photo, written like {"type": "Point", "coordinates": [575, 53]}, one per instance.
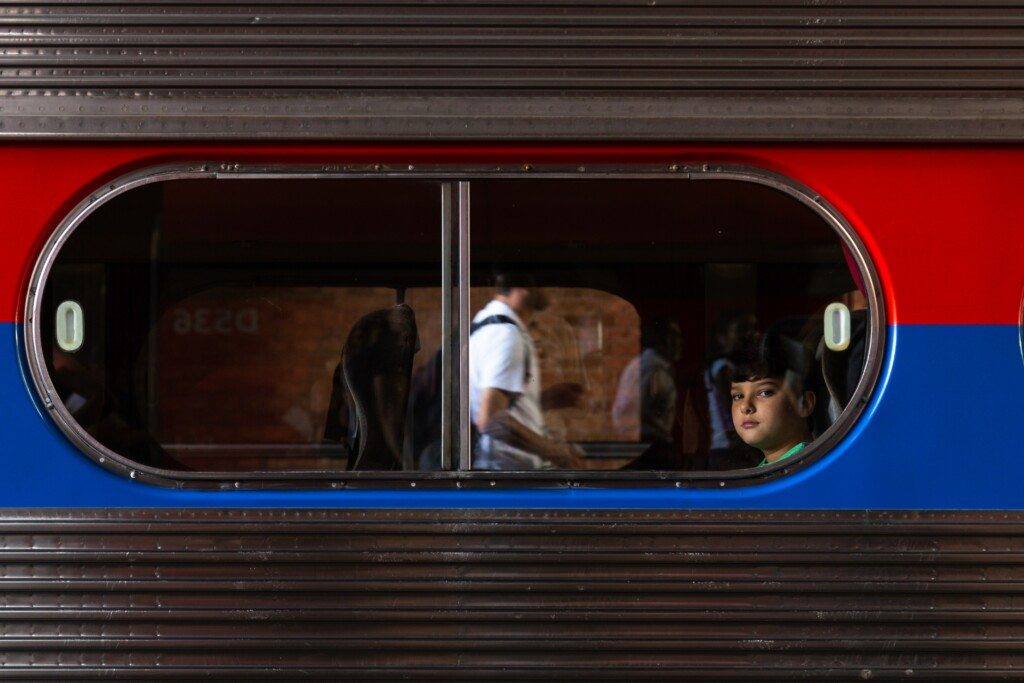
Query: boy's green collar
{"type": "Point", "coordinates": [792, 451]}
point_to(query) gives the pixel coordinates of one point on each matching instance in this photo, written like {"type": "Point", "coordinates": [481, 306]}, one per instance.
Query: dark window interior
{"type": "Point", "coordinates": [696, 254]}
{"type": "Point", "coordinates": [217, 313]}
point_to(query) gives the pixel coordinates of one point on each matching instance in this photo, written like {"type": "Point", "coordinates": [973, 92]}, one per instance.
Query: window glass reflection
{"type": "Point", "coordinates": [295, 325]}
{"type": "Point", "coordinates": [649, 300]}
{"type": "Point", "coordinates": [238, 326]}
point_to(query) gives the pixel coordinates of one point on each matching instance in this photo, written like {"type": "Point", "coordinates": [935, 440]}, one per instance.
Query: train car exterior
{"type": "Point", "coordinates": [169, 152]}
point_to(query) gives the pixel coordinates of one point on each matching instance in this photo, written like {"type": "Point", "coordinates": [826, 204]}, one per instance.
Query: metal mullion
{"type": "Point", "coordinates": [465, 442]}
{"type": "Point", "coordinates": [449, 334]}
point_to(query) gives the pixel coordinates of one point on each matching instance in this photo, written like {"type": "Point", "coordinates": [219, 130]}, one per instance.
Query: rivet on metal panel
{"type": "Point", "coordinates": [679, 484]}
{"type": "Point", "coordinates": [133, 474]}
{"type": "Point", "coordinates": [412, 484]}
{"type": "Point", "coordinates": [527, 167]}
{"type": "Point", "coordinates": [674, 167]}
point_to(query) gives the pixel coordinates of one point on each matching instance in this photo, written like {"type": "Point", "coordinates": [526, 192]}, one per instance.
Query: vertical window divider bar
{"type": "Point", "coordinates": [465, 441]}
{"type": "Point", "coordinates": [449, 332]}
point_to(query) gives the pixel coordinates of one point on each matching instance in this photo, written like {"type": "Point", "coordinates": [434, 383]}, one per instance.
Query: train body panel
{"type": "Point", "coordinates": [511, 594]}
{"type": "Point", "coordinates": [892, 548]}
{"type": "Point", "coordinates": [922, 444]}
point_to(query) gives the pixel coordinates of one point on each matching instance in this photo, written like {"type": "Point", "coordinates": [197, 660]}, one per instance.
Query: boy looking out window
{"type": "Point", "coordinates": [770, 402]}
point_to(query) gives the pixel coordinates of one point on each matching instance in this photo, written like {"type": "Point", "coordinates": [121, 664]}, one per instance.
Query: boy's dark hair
{"type": "Point", "coordinates": [772, 356]}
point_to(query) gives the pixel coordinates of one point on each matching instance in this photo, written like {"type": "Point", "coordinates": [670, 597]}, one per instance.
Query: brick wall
{"type": "Point", "coordinates": [255, 365]}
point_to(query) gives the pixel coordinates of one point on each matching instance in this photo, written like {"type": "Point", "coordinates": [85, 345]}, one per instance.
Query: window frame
{"type": "Point", "coordinates": [455, 222]}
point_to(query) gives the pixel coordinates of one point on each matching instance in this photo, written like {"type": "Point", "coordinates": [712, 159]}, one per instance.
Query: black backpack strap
{"type": "Point", "coordinates": [491, 320]}
{"type": "Point", "coordinates": [499, 319]}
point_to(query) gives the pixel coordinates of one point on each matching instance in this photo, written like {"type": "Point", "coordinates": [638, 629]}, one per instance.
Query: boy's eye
{"type": "Point", "coordinates": [767, 393]}
{"type": "Point", "coordinates": [737, 397]}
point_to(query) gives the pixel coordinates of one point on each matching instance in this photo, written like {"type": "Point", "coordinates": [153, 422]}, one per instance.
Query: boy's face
{"type": "Point", "coordinates": [768, 415]}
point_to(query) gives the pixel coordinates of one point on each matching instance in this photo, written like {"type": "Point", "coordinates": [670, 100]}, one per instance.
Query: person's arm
{"type": "Point", "coordinates": [493, 418]}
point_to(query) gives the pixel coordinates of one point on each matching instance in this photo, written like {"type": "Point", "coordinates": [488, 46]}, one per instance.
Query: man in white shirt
{"type": "Point", "coordinates": [505, 395]}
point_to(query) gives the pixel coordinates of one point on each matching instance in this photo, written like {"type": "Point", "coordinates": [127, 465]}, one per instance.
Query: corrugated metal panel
{"type": "Point", "coordinates": [513, 594]}
{"type": "Point", "coordinates": [599, 69]}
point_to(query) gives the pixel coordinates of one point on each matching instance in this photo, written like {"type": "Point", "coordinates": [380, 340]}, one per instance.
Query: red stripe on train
{"type": "Point", "coordinates": [942, 223]}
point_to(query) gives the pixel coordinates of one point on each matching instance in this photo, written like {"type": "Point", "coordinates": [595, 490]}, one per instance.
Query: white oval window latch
{"type": "Point", "coordinates": [70, 326]}
{"type": "Point", "coordinates": [837, 327]}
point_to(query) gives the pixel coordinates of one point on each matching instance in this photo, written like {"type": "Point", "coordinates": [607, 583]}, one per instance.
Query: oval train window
{"type": "Point", "coordinates": [198, 327]}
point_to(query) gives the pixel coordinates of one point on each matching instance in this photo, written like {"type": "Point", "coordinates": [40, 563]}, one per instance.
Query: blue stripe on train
{"type": "Point", "coordinates": [943, 431]}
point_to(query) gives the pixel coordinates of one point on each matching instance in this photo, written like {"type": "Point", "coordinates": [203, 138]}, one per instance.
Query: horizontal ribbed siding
{"type": "Point", "coordinates": [633, 46]}
{"type": "Point", "coordinates": [525, 70]}
{"type": "Point", "coordinates": [518, 594]}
